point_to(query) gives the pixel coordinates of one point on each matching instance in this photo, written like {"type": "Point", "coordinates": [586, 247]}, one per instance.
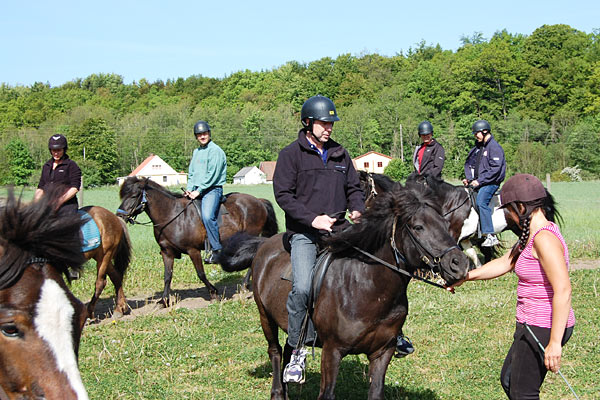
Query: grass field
{"type": "Point", "coordinates": [219, 352]}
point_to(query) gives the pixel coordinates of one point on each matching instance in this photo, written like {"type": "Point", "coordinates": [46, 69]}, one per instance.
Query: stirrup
{"type": "Point", "coordinates": [294, 371]}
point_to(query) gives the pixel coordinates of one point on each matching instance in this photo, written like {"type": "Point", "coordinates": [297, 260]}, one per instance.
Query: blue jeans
{"type": "Point", "coordinates": [484, 196]}
{"type": "Point", "coordinates": [211, 200]}
{"type": "Point", "coordinates": [303, 256]}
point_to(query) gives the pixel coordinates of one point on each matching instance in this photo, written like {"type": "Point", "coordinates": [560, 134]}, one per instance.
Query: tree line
{"type": "Point", "coordinates": [540, 92]}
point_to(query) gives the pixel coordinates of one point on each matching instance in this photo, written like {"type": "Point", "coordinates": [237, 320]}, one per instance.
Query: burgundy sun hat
{"type": "Point", "coordinates": [523, 188]}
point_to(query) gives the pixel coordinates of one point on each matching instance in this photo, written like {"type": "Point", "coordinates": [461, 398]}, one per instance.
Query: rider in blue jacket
{"type": "Point", "coordinates": [485, 170]}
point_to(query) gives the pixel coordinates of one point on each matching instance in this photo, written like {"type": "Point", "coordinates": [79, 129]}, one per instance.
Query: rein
{"type": "Point", "coordinates": [457, 207]}
{"type": "Point", "coordinates": [395, 268]}
{"type": "Point", "coordinates": [141, 207]}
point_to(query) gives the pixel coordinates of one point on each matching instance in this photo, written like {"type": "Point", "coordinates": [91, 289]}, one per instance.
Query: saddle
{"type": "Point", "coordinates": [89, 232]}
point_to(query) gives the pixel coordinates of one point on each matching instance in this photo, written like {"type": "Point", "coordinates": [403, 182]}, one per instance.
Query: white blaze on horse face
{"type": "Point", "coordinates": [53, 322]}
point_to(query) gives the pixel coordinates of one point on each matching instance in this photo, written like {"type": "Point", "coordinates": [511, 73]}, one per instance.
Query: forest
{"type": "Point", "coordinates": [540, 92]}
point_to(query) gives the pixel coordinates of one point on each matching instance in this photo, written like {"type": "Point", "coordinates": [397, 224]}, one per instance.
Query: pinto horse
{"type": "Point", "coordinates": [115, 246]}
{"type": "Point", "coordinates": [40, 319]}
{"type": "Point", "coordinates": [178, 228]}
{"type": "Point", "coordinates": [458, 210]}
{"type": "Point", "coordinates": [362, 303]}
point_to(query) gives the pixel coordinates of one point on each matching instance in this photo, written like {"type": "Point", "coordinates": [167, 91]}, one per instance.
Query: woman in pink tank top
{"type": "Point", "coordinates": [541, 261]}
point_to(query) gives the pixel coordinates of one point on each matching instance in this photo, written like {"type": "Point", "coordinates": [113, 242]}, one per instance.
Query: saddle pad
{"type": "Point", "coordinates": [90, 234]}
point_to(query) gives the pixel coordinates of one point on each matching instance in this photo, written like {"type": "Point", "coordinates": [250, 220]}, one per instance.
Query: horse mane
{"type": "Point", "coordinates": [35, 230]}
{"type": "Point", "coordinates": [129, 187]}
{"type": "Point", "coordinates": [375, 228]}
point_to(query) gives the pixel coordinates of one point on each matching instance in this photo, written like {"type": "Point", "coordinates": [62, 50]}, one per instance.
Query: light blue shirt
{"type": "Point", "coordinates": [208, 168]}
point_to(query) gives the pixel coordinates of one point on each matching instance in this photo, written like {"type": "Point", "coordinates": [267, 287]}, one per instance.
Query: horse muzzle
{"type": "Point", "coordinates": [454, 266]}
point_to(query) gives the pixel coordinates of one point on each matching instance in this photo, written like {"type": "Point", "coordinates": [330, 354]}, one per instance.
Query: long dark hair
{"type": "Point", "coordinates": [548, 207]}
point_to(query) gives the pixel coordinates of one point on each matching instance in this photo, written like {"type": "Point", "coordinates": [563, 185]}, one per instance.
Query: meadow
{"type": "Point", "coordinates": [219, 352]}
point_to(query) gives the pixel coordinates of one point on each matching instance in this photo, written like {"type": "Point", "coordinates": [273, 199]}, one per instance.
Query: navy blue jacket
{"type": "Point", "coordinates": [492, 167]}
{"type": "Point", "coordinates": [306, 187]}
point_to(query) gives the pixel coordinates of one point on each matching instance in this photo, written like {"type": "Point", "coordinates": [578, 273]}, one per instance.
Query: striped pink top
{"type": "Point", "coordinates": [534, 292]}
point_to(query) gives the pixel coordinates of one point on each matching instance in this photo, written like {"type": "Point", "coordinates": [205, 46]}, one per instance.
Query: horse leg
{"type": "Point", "coordinates": [378, 364]}
{"type": "Point", "coordinates": [470, 252]}
{"type": "Point", "coordinates": [100, 284]}
{"type": "Point", "coordinates": [196, 257]}
{"type": "Point", "coordinates": [246, 282]}
{"type": "Point", "coordinates": [122, 308]}
{"type": "Point", "coordinates": [330, 365]}
{"type": "Point", "coordinates": [168, 262]}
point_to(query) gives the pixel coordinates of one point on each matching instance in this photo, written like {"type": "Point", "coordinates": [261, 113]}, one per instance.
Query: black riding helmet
{"type": "Point", "coordinates": [481, 125]}
{"type": "Point", "coordinates": [201, 126]}
{"type": "Point", "coordinates": [57, 141]}
{"type": "Point", "coordinates": [318, 108]}
{"type": "Point", "coordinates": [425, 128]}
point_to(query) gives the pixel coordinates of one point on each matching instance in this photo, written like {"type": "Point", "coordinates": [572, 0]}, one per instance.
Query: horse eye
{"type": "Point", "coordinates": [418, 228]}
{"type": "Point", "coordinates": [10, 330]}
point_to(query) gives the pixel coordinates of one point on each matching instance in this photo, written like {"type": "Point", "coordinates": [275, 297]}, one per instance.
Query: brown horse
{"type": "Point", "coordinates": [115, 245]}
{"type": "Point", "coordinates": [362, 303]}
{"type": "Point", "coordinates": [40, 319]}
{"type": "Point", "coordinates": [178, 228]}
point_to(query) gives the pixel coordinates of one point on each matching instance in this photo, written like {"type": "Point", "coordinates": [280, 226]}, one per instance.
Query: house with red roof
{"type": "Point", "coordinates": [157, 170]}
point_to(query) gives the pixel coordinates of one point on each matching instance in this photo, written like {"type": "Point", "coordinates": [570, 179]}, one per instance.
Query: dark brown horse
{"type": "Point", "coordinates": [362, 303]}
{"type": "Point", "coordinates": [40, 319]}
{"type": "Point", "coordinates": [112, 257]}
{"type": "Point", "coordinates": [178, 228]}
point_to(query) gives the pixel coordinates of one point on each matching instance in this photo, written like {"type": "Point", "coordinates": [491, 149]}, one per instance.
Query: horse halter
{"type": "Point", "coordinates": [426, 255]}
{"type": "Point", "coordinates": [141, 201]}
{"type": "Point", "coordinates": [373, 193]}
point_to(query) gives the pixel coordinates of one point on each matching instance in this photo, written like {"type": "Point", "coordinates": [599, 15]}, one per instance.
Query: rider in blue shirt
{"type": "Point", "coordinates": [206, 176]}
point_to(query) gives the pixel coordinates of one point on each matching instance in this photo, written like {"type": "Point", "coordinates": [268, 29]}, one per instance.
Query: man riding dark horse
{"type": "Point", "coordinates": [314, 180]}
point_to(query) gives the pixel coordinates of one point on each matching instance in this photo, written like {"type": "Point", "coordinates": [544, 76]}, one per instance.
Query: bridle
{"type": "Point", "coordinates": [371, 183]}
{"type": "Point", "coordinates": [142, 200]}
{"type": "Point", "coordinates": [426, 255]}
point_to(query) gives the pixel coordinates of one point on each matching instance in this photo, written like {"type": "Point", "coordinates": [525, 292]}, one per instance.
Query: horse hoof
{"type": "Point", "coordinates": [164, 303]}
{"type": "Point", "coordinates": [117, 314]}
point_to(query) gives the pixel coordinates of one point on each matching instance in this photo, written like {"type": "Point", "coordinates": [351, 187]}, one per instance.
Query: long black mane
{"type": "Point", "coordinates": [34, 230]}
{"type": "Point", "coordinates": [375, 228]}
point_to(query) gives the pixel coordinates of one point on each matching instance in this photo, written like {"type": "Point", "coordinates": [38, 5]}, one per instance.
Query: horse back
{"type": "Point", "coordinates": [246, 213]}
{"type": "Point", "coordinates": [270, 290]}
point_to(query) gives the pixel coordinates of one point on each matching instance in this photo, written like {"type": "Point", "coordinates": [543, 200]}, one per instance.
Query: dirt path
{"type": "Point", "coordinates": [199, 298]}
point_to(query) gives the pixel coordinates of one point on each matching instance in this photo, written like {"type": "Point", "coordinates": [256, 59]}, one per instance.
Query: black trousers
{"type": "Point", "coordinates": [524, 371]}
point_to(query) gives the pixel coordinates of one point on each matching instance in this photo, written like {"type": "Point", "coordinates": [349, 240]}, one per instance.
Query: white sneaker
{"type": "Point", "coordinates": [294, 371]}
{"type": "Point", "coordinates": [490, 241]}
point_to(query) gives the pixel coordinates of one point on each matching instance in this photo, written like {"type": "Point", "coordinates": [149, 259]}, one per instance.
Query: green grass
{"type": "Point", "coordinates": [220, 353]}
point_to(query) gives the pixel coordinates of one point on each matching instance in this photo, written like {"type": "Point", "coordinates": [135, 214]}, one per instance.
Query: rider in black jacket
{"type": "Point", "coordinates": [314, 183]}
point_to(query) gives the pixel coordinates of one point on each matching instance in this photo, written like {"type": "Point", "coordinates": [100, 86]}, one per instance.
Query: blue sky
{"type": "Point", "coordinates": [58, 41]}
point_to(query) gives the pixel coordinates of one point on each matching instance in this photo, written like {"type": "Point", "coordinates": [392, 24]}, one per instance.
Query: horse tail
{"type": "Point", "coordinates": [123, 254]}
{"type": "Point", "coordinates": [270, 227]}
{"type": "Point", "coordinates": [239, 251]}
